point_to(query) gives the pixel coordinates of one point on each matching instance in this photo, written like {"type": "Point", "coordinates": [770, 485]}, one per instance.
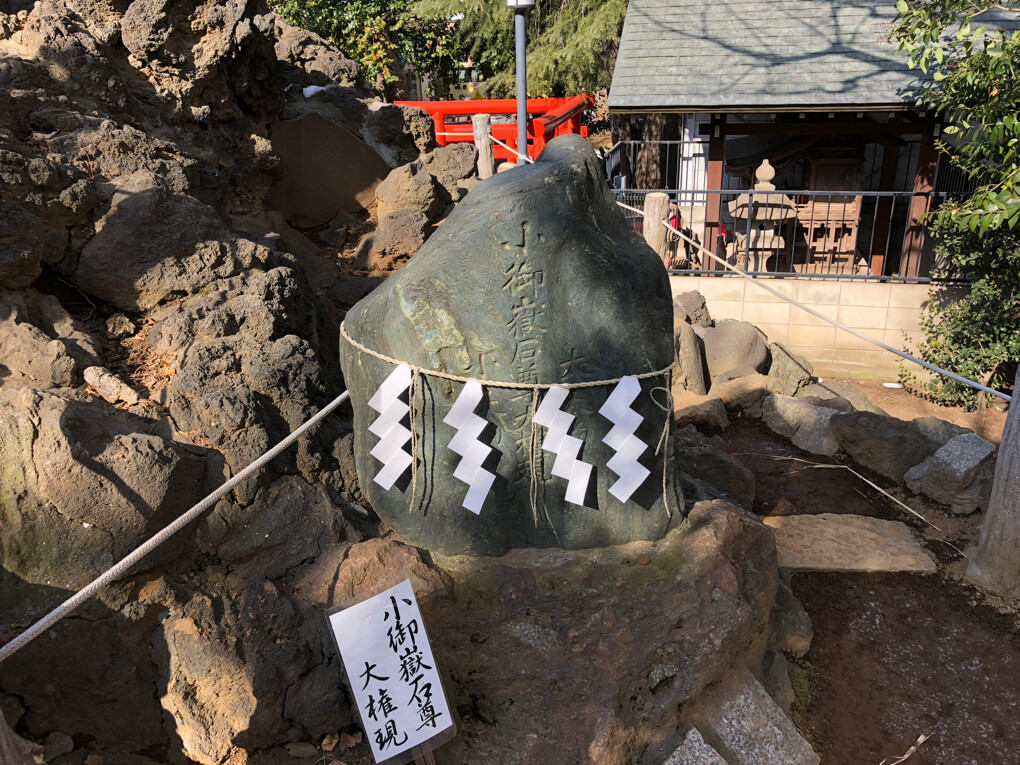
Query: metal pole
{"type": "Point", "coordinates": [520, 33]}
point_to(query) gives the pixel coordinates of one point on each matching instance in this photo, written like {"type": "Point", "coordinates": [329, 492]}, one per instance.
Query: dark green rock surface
{"type": "Point", "coordinates": [536, 277]}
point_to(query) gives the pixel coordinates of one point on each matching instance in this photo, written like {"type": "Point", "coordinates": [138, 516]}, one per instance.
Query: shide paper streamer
{"type": "Point", "coordinates": [469, 427]}
{"type": "Point", "coordinates": [550, 414]}
{"type": "Point", "coordinates": [387, 426]}
{"type": "Point", "coordinates": [621, 438]}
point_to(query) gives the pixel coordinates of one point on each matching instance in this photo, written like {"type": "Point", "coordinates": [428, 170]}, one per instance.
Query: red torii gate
{"type": "Point", "coordinates": [555, 116]}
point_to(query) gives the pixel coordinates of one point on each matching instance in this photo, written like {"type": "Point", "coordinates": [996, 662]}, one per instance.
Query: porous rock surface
{"type": "Point", "coordinates": [583, 656]}
{"type": "Point", "coordinates": [135, 169]}
{"type": "Point", "coordinates": [534, 278]}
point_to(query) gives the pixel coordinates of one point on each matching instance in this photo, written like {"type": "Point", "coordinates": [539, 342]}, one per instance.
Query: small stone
{"type": "Point", "coordinates": [302, 749]}
{"type": "Point", "coordinates": [348, 741]}
{"type": "Point", "coordinates": [695, 308]}
{"type": "Point", "coordinates": [330, 741]}
{"type": "Point", "coordinates": [120, 325]}
{"type": "Point", "coordinates": [790, 628]}
{"type": "Point", "coordinates": [957, 475]}
{"type": "Point", "coordinates": [775, 677]}
{"type": "Point", "coordinates": [704, 412]}
{"type": "Point", "coordinates": [56, 744]}
{"type": "Point", "coordinates": [847, 543]}
{"type": "Point", "coordinates": [109, 386]}
{"type": "Point", "coordinates": [687, 346]}
{"type": "Point", "coordinates": [789, 372]}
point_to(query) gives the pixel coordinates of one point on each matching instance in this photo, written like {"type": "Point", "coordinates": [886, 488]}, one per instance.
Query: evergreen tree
{"type": "Point", "coordinates": [381, 36]}
{"type": "Point", "coordinates": [572, 44]}
{"type": "Point", "coordinates": [975, 85]}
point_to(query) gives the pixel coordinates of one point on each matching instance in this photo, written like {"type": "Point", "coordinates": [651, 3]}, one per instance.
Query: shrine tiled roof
{"type": "Point", "coordinates": [760, 55]}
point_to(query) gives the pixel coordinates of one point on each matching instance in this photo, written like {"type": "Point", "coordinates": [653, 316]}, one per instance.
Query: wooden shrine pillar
{"type": "Point", "coordinates": [713, 211]}
{"type": "Point", "coordinates": [914, 239]}
{"type": "Point", "coordinates": [883, 211]}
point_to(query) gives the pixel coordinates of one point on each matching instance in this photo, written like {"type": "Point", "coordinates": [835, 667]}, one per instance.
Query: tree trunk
{"type": "Point", "coordinates": [996, 564]}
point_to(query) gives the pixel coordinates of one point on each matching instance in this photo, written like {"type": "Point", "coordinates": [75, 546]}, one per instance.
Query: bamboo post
{"type": "Point", "coordinates": [483, 142]}
{"type": "Point", "coordinates": [996, 564]}
{"type": "Point", "coordinates": [656, 211]}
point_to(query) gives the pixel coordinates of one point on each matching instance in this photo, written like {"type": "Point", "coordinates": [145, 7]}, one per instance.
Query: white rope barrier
{"type": "Point", "coordinates": [121, 568]}
{"type": "Point", "coordinates": [834, 322]}
{"type": "Point", "coordinates": [525, 157]}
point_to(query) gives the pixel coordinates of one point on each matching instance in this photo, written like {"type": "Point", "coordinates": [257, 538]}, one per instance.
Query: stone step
{"type": "Point", "coordinates": [745, 726]}
{"type": "Point", "coordinates": [847, 543]}
{"type": "Point", "coordinates": [693, 750]}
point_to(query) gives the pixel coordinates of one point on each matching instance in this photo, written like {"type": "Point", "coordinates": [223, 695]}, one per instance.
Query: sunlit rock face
{"type": "Point", "coordinates": [536, 277]}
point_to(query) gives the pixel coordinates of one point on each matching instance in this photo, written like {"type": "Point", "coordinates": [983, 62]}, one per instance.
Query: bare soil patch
{"type": "Point", "coordinates": [894, 656]}
{"type": "Point", "coordinates": [902, 403]}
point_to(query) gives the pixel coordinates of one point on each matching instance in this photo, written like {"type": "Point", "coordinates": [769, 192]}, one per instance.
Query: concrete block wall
{"type": "Point", "coordinates": [890, 313]}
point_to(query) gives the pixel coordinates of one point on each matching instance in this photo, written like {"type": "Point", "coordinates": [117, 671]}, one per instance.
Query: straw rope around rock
{"type": "Point", "coordinates": [494, 383]}
{"type": "Point", "coordinates": [418, 371]}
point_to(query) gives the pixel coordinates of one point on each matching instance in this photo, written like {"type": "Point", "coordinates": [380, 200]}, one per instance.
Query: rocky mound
{"type": "Point", "coordinates": [161, 325]}
{"type": "Point", "coordinates": [163, 322]}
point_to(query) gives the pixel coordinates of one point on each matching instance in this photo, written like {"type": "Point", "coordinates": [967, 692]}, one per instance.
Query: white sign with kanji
{"type": "Point", "coordinates": [392, 672]}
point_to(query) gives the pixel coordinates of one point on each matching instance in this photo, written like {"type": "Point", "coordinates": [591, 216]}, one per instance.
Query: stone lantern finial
{"type": "Point", "coordinates": [764, 175]}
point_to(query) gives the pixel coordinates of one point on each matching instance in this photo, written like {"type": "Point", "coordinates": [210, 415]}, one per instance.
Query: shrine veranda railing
{"type": "Point", "coordinates": [856, 235]}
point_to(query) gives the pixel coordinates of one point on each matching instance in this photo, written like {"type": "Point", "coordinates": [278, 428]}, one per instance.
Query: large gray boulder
{"type": "Point", "coordinates": [884, 445]}
{"type": "Point", "coordinates": [835, 391]}
{"type": "Point", "coordinates": [959, 475]}
{"type": "Point", "coordinates": [248, 371]}
{"type": "Point", "coordinates": [534, 278]}
{"type": "Point", "coordinates": [154, 245]}
{"type": "Point", "coordinates": [84, 485]}
{"type": "Point", "coordinates": [806, 425]}
{"type": "Point", "coordinates": [733, 344]}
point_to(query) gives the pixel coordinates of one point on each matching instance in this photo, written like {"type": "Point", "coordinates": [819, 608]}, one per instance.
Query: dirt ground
{"type": "Point", "coordinates": [894, 656]}
{"type": "Point", "coordinates": [900, 403]}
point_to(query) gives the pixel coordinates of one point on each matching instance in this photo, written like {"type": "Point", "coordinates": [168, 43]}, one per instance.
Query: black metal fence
{"type": "Point", "coordinates": [874, 235]}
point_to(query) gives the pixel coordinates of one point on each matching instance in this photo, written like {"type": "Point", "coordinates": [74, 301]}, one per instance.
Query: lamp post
{"type": "Point", "coordinates": [520, 9]}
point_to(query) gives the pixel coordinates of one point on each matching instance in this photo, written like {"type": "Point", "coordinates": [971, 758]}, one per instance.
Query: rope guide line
{"type": "Point", "coordinates": [118, 570]}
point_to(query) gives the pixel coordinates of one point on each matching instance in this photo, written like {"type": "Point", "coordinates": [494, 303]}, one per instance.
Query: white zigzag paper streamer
{"type": "Point", "coordinates": [566, 447]}
{"type": "Point", "coordinates": [621, 438]}
{"type": "Point", "coordinates": [387, 426]}
{"type": "Point", "coordinates": [472, 451]}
